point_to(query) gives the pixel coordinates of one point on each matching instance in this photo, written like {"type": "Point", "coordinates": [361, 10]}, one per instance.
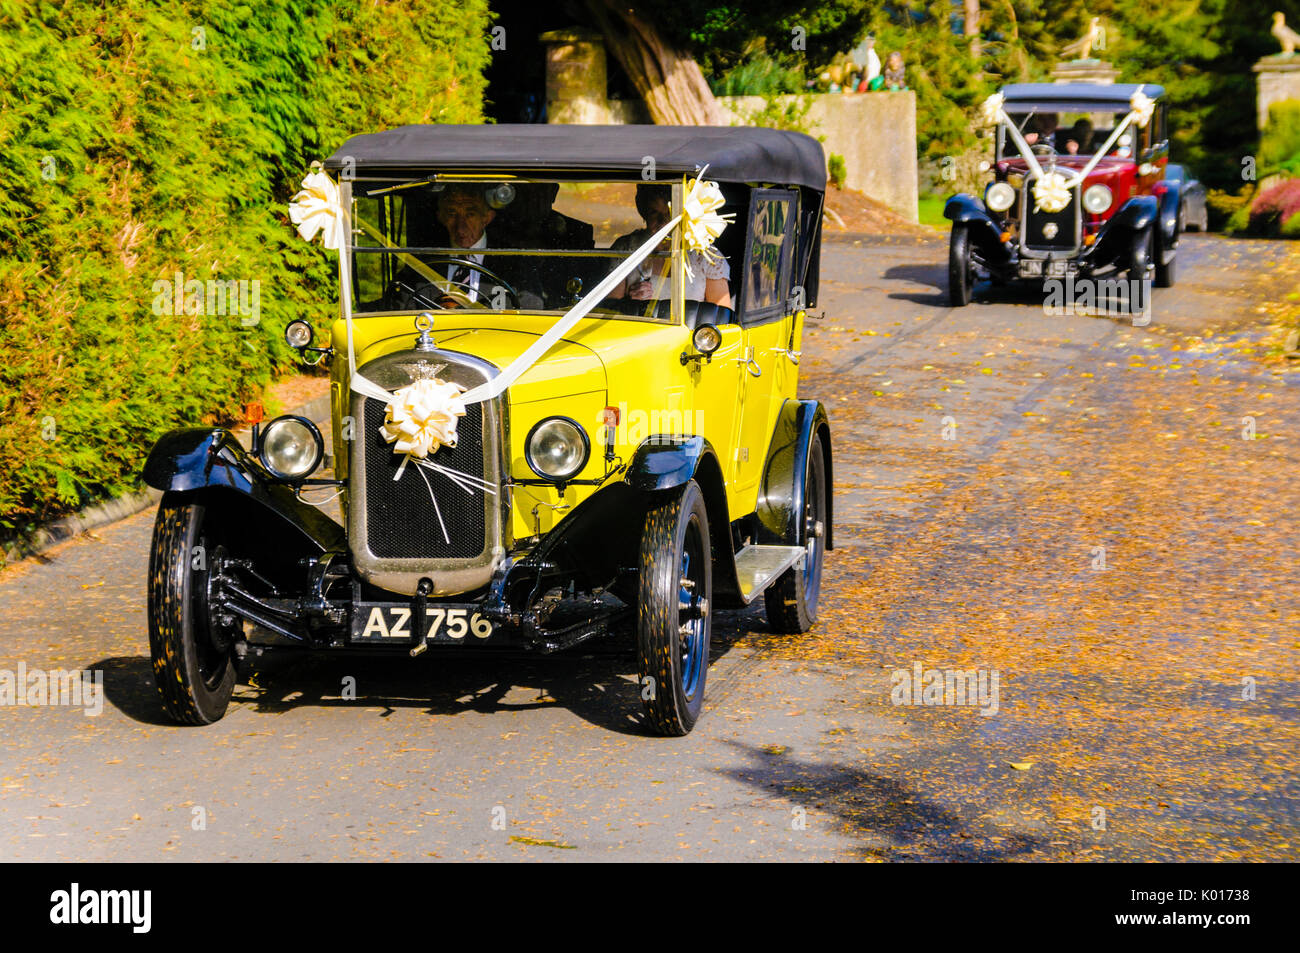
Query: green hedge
{"type": "Point", "coordinates": [141, 139]}
{"type": "Point", "coordinates": [1279, 143]}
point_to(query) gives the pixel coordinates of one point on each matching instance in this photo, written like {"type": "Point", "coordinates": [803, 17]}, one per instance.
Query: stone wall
{"type": "Point", "coordinates": [874, 132]}
{"type": "Point", "coordinates": [1278, 78]}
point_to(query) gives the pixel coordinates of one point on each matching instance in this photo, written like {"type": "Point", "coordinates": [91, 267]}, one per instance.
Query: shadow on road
{"type": "Point", "coordinates": [897, 822]}
{"type": "Point", "coordinates": [596, 682]}
{"type": "Point", "coordinates": [935, 275]}
{"type": "Point", "coordinates": [129, 687]}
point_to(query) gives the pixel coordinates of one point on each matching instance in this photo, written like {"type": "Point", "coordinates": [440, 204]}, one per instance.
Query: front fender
{"type": "Point", "coordinates": [781, 500]}
{"type": "Point", "coordinates": [210, 460]}
{"type": "Point", "coordinates": [966, 209]}
{"type": "Point", "coordinates": [665, 463]}
{"type": "Point", "coordinates": [1112, 242]}
{"type": "Point", "coordinates": [1170, 202]}
{"type": "Point", "coordinates": [662, 463]}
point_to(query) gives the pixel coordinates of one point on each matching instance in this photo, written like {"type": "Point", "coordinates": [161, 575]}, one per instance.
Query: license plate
{"type": "Point", "coordinates": [1029, 269]}
{"type": "Point", "coordinates": [393, 624]}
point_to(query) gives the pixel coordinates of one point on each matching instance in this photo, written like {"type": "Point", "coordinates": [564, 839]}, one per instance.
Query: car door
{"type": "Point", "coordinates": [765, 322]}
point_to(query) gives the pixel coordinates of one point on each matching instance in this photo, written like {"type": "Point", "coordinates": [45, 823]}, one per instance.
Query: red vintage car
{"type": "Point", "coordinates": [1079, 189]}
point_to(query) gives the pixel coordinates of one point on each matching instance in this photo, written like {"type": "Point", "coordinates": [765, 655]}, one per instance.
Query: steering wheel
{"type": "Point", "coordinates": [463, 297]}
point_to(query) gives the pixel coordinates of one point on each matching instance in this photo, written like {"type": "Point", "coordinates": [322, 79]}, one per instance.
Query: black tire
{"type": "Point", "coordinates": [194, 663]}
{"type": "Point", "coordinates": [1141, 254]}
{"type": "Point", "coordinates": [674, 620]}
{"type": "Point", "coordinates": [1167, 272]}
{"type": "Point", "coordinates": [960, 271]}
{"type": "Point", "coordinates": [791, 601]}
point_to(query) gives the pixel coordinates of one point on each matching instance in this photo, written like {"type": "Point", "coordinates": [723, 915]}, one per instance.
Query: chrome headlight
{"type": "Point", "coordinates": [1097, 198]}
{"type": "Point", "coordinates": [298, 334]}
{"type": "Point", "coordinates": [557, 449]}
{"type": "Point", "coordinates": [706, 339]}
{"type": "Point", "coordinates": [1000, 196]}
{"type": "Point", "coordinates": [291, 447]}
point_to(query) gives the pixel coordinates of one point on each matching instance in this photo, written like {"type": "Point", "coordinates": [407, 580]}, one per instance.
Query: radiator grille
{"type": "Point", "coordinates": [1066, 236]}
{"type": "Point", "coordinates": [401, 521]}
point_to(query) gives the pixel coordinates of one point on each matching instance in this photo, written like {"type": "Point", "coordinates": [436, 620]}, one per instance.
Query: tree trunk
{"type": "Point", "coordinates": [971, 25]}
{"type": "Point", "coordinates": [671, 83]}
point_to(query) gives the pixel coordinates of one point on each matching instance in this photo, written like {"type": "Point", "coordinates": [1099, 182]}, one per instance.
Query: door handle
{"type": "Point", "coordinates": [751, 365]}
{"type": "Point", "coordinates": [792, 355]}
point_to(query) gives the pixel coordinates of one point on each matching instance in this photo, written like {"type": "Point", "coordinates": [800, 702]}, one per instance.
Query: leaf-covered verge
{"type": "Point", "coordinates": [139, 140]}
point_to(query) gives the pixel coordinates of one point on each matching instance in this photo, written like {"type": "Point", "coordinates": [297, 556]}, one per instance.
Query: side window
{"type": "Point", "coordinates": [769, 253]}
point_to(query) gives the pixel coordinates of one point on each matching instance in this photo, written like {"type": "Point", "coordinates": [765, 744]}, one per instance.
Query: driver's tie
{"type": "Point", "coordinates": [460, 276]}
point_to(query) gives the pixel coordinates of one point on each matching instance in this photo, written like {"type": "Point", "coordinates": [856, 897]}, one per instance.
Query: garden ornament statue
{"type": "Point", "coordinates": [1082, 47]}
{"type": "Point", "coordinates": [895, 78]}
{"type": "Point", "coordinates": [1288, 37]}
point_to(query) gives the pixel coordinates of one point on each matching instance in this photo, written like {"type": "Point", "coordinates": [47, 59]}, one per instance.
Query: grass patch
{"type": "Point", "coordinates": [929, 210]}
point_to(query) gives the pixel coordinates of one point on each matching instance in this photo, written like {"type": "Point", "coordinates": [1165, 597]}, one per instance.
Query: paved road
{"type": "Point", "coordinates": [1067, 501]}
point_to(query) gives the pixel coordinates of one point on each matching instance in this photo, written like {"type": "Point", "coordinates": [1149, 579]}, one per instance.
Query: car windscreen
{"type": "Point", "coordinates": [1073, 133]}
{"type": "Point", "coordinates": [506, 244]}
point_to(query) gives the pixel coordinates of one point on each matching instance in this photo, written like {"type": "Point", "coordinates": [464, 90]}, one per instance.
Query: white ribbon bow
{"type": "Point", "coordinates": [991, 109]}
{"type": "Point", "coordinates": [316, 209]}
{"type": "Point", "coordinates": [701, 223]}
{"type": "Point", "coordinates": [421, 417]}
{"type": "Point", "coordinates": [1143, 106]}
{"type": "Point", "coordinates": [1051, 193]}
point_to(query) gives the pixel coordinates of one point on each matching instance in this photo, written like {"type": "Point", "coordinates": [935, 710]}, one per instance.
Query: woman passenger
{"type": "Point", "coordinates": [710, 278]}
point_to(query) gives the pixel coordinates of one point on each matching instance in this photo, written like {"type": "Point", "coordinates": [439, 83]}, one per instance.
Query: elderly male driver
{"type": "Point", "coordinates": [464, 212]}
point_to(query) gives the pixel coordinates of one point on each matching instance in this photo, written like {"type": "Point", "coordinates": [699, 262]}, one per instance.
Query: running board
{"type": "Point", "coordinates": [757, 567]}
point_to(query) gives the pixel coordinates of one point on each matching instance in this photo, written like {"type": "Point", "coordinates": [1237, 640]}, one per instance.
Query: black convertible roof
{"type": "Point", "coordinates": [732, 153]}
{"type": "Point", "coordinates": [1075, 97]}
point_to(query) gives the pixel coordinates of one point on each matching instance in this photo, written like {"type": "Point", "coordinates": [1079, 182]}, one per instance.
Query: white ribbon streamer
{"type": "Point", "coordinates": [498, 385]}
{"type": "Point", "coordinates": [421, 417]}
{"type": "Point", "coordinates": [1141, 108]}
{"type": "Point", "coordinates": [318, 208]}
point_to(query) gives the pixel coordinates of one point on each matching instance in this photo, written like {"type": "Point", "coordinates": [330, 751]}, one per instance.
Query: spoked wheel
{"type": "Point", "coordinates": [792, 600]}
{"type": "Point", "coordinates": [674, 611]}
{"type": "Point", "coordinates": [961, 271]}
{"type": "Point", "coordinates": [194, 663]}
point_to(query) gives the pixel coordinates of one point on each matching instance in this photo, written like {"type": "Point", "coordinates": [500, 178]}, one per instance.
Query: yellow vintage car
{"type": "Point", "coordinates": [564, 389]}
